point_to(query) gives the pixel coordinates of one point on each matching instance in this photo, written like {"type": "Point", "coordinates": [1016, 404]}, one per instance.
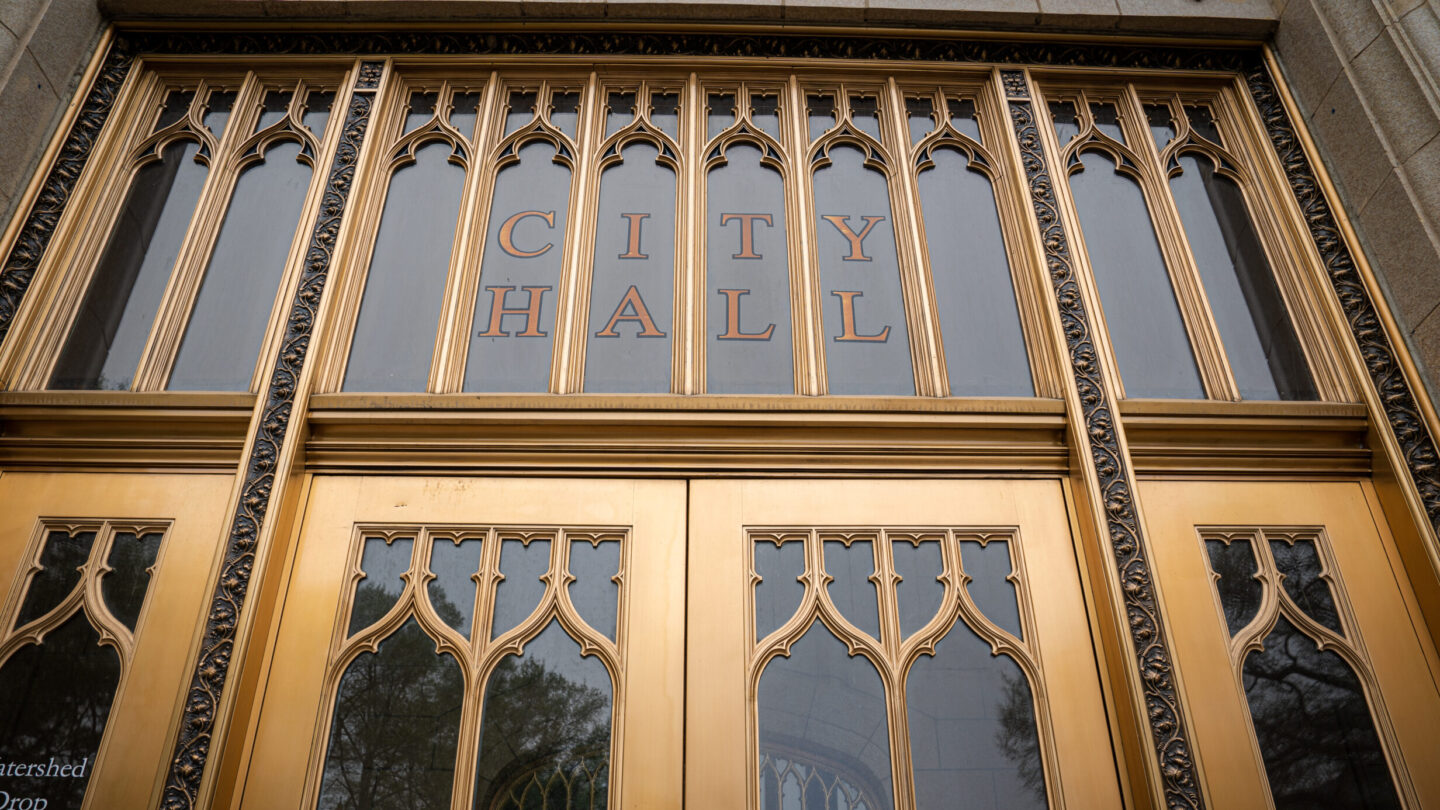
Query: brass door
{"type": "Point", "coordinates": [933, 628]}
{"type": "Point", "coordinates": [104, 576]}
{"type": "Point", "coordinates": [1308, 681]}
{"type": "Point", "coordinates": [414, 603]}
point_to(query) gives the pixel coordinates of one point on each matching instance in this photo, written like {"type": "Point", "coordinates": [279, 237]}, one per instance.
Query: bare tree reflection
{"type": "Point", "coordinates": [1314, 727]}
{"type": "Point", "coordinates": [1017, 736]}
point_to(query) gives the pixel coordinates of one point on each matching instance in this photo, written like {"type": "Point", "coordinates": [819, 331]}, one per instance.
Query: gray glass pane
{"type": "Point", "coordinates": [405, 288]}
{"type": "Point", "coordinates": [177, 106]}
{"type": "Point", "coordinates": [820, 111]}
{"type": "Point", "coordinates": [988, 566]}
{"type": "Point", "coordinates": [748, 278]}
{"type": "Point", "coordinates": [619, 112]}
{"type": "Point", "coordinates": [57, 698]}
{"type": "Point", "coordinates": [104, 346]}
{"type": "Point", "coordinates": [1240, 593]}
{"type": "Point", "coordinates": [973, 737]}
{"type": "Point", "coordinates": [464, 112]}
{"type": "Point", "coordinates": [274, 108]}
{"type": "Point", "coordinates": [421, 109]}
{"type": "Point", "coordinates": [218, 108]}
{"type": "Point", "coordinates": [452, 591]}
{"type": "Point", "coordinates": [317, 111]}
{"type": "Point", "coordinates": [228, 321]}
{"type": "Point", "coordinates": [1066, 120]}
{"type": "Point", "coordinates": [124, 586]}
{"type": "Point", "coordinates": [665, 113]}
{"type": "Point", "coordinates": [520, 111]}
{"type": "Point", "coordinates": [632, 295]}
{"type": "Point", "coordinates": [1245, 300]}
{"type": "Point", "coordinates": [920, 115]}
{"type": "Point", "coordinates": [867, 349]}
{"type": "Point", "coordinates": [962, 117]}
{"type": "Point", "coordinates": [545, 730]}
{"type": "Point", "coordinates": [595, 593]}
{"type": "Point", "coordinates": [520, 591]}
{"type": "Point", "coordinates": [396, 727]}
{"type": "Point", "coordinates": [920, 592]}
{"type": "Point", "coordinates": [1314, 727]}
{"type": "Point", "coordinates": [383, 564]}
{"type": "Point", "coordinates": [512, 334]}
{"type": "Point", "coordinates": [823, 731]}
{"type": "Point", "coordinates": [852, 591]}
{"type": "Point", "coordinates": [720, 113]}
{"type": "Point", "coordinates": [865, 113]}
{"type": "Point", "coordinates": [979, 319]}
{"type": "Point", "coordinates": [779, 591]}
{"type": "Point", "coordinates": [565, 112]}
{"type": "Point", "coordinates": [1107, 120]}
{"type": "Point", "coordinates": [1162, 125]}
{"type": "Point", "coordinates": [60, 561]}
{"type": "Point", "coordinates": [1141, 314]}
{"type": "Point", "coordinates": [765, 113]}
{"type": "Point", "coordinates": [1299, 567]}
{"type": "Point", "coordinates": [1202, 123]}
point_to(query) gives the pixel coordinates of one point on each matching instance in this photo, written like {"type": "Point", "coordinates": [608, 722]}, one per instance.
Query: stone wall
{"type": "Point", "coordinates": [1363, 71]}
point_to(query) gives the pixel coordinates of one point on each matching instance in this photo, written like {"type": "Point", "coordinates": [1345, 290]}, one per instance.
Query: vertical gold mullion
{"type": "Point", "coordinates": [804, 258]}
{"type": "Point", "coordinates": [1205, 342]}
{"type": "Point", "coordinates": [447, 374]}
{"type": "Point", "coordinates": [181, 290]}
{"type": "Point", "coordinates": [916, 284]}
{"type": "Point", "coordinates": [690, 295]}
{"type": "Point", "coordinates": [885, 581]}
{"type": "Point", "coordinates": [567, 373]}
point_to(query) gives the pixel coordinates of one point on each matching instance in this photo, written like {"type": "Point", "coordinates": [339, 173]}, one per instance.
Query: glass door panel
{"type": "Point", "coordinates": [478, 643]}
{"type": "Point", "coordinates": [103, 576]}
{"type": "Point", "coordinates": [1297, 649]}
{"type": "Point", "coordinates": [889, 644]}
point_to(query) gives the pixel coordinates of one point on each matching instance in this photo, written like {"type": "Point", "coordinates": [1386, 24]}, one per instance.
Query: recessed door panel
{"type": "Point", "coordinates": [1297, 650]}
{"type": "Point", "coordinates": [478, 643]}
{"type": "Point", "coordinates": [889, 644]}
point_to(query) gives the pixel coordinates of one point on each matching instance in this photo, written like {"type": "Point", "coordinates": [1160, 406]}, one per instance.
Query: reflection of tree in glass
{"type": "Point", "coordinates": [545, 740]}
{"type": "Point", "coordinates": [54, 700]}
{"type": "Point", "coordinates": [1240, 592]}
{"type": "Point", "coordinates": [1017, 736]}
{"type": "Point", "coordinates": [396, 723]}
{"type": "Point", "coordinates": [1314, 727]}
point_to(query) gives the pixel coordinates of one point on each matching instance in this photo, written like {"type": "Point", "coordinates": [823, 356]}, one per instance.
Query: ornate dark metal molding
{"type": "Point", "coordinates": [39, 227]}
{"type": "Point", "coordinates": [192, 747]}
{"type": "Point", "coordinates": [1402, 411]}
{"type": "Point", "coordinates": [1178, 774]}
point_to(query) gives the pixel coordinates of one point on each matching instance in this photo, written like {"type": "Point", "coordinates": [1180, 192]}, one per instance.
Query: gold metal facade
{"type": "Point", "coordinates": [687, 479]}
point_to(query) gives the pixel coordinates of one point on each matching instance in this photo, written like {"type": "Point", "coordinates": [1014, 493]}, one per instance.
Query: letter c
{"type": "Point", "coordinates": [507, 232]}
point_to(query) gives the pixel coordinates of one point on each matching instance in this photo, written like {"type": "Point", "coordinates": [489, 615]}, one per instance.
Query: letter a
{"type": "Point", "coordinates": [856, 240]}
{"type": "Point", "coordinates": [638, 313]}
{"type": "Point", "coordinates": [847, 320]}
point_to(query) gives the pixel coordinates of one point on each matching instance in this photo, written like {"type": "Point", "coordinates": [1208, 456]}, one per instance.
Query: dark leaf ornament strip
{"type": "Point", "coordinates": [1402, 411]}
{"type": "Point", "coordinates": [197, 725]}
{"type": "Point", "coordinates": [39, 227]}
{"type": "Point", "coordinates": [1142, 612]}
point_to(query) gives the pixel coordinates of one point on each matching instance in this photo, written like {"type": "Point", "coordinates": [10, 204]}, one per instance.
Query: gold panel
{"type": "Point", "coordinates": [156, 663]}
{"type": "Point", "coordinates": [282, 759]}
{"type": "Point", "coordinates": [721, 707]}
{"type": "Point", "coordinates": [1392, 657]}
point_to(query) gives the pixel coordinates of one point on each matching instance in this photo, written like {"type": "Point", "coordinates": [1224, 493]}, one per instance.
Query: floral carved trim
{"type": "Point", "coordinates": [192, 747]}
{"type": "Point", "coordinates": [1142, 611]}
{"type": "Point", "coordinates": [39, 227]}
{"type": "Point", "coordinates": [1402, 411]}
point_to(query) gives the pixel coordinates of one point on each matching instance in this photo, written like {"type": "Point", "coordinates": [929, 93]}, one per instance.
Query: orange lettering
{"type": "Point", "coordinates": [747, 232]}
{"type": "Point", "coordinates": [638, 313]}
{"type": "Point", "coordinates": [856, 240]}
{"type": "Point", "coordinates": [507, 232]}
{"type": "Point", "coordinates": [531, 312]}
{"type": "Point", "coordinates": [632, 250]}
{"type": "Point", "coordinates": [847, 320]}
{"type": "Point", "coordinates": [732, 318]}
